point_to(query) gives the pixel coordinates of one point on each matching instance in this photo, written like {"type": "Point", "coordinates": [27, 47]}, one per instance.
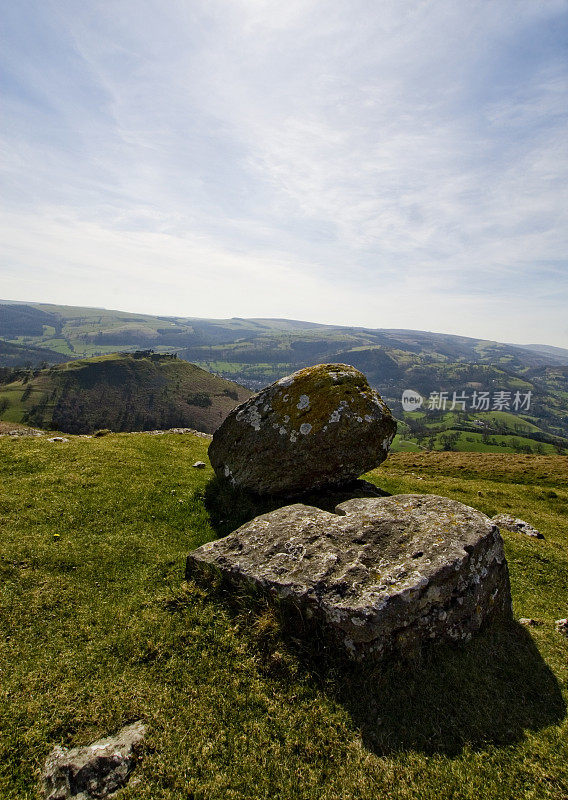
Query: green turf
{"type": "Point", "coordinates": [98, 628]}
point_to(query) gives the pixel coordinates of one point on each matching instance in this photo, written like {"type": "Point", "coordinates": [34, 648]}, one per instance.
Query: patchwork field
{"type": "Point", "coordinates": [98, 628]}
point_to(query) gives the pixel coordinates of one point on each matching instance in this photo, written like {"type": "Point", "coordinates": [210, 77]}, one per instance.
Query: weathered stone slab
{"type": "Point", "coordinates": [379, 574]}
{"type": "Point", "coordinates": [321, 426]}
{"type": "Point", "coordinates": [95, 771]}
{"type": "Point", "coordinates": [516, 525]}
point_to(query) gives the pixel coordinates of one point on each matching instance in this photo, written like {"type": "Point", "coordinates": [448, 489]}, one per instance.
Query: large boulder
{"type": "Point", "coordinates": [379, 574]}
{"type": "Point", "coordinates": [322, 426]}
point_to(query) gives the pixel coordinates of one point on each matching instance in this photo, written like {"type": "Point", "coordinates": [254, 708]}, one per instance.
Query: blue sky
{"type": "Point", "coordinates": [374, 162]}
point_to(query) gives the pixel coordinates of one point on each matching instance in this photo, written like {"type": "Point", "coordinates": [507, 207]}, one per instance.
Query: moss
{"type": "Point", "coordinates": [326, 386]}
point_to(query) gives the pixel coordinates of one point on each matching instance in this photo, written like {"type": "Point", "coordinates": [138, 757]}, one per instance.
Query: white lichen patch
{"type": "Point", "coordinates": [305, 428]}
{"type": "Point", "coordinates": [368, 418]}
{"type": "Point", "coordinates": [286, 418]}
{"type": "Point", "coordinates": [282, 431]}
{"type": "Point", "coordinates": [228, 474]}
{"type": "Point", "coordinates": [334, 415]}
{"type": "Point", "coordinates": [293, 437]}
{"type": "Point", "coordinates": [337, 375]}
{"type": "Point", "coordinates": [304, 402]}
{"type": "Point", "coordinates": [250, 415]}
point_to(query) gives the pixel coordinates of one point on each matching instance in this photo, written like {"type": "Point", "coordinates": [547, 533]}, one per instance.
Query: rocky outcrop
{"type": "Point", "coordinates": [95, 771]}
{"type": "Point", "coordinates": [516, 525]}
{"type": "Point", "coordinates": [322, 426]}
{"type": "Point", "coordinates": [378, 575]}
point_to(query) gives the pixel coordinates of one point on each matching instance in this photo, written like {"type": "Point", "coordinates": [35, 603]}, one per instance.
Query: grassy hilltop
{"type": "Point", "coordinates": [123, 392]}
{"type": "Point", "coordinates": [98, 629]}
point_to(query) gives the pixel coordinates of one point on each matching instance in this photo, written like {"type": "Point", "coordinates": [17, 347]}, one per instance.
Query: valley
{"type": "Point", "coordinates": [255, 352]}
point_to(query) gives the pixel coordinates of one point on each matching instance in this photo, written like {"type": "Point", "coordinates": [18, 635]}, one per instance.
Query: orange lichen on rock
{"type": "Point", "coordinates": [321, 426]}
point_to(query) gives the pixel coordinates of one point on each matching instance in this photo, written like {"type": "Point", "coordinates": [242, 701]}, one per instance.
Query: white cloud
{"type": "Point", "coordinates": [402, 165]}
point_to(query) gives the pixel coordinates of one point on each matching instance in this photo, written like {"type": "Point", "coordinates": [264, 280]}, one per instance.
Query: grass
{"type": "Point", "coordinates": [473, 442]}
{"type": "Point", "coordinates": [99, 629]}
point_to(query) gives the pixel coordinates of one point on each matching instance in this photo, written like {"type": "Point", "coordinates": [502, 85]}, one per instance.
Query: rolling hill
{"type": "Point", "coordinates": [121, 392]}
{"type": "Point", "coordinates": [18, 355]}
{"type": "Point", "coordinates": [255, 352]}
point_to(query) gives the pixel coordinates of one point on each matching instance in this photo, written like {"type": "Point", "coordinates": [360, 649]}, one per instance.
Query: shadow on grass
{"type": "Point", "coordinates": [488, 692]}
{"type": "Point", "coordinates": [229, 508]}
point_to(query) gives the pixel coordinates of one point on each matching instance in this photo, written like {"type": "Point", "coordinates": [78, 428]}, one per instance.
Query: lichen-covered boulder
{"type": "Point", "coordinates": [380, 574]}
{"type": "Point", "coordinates": [322, 426]}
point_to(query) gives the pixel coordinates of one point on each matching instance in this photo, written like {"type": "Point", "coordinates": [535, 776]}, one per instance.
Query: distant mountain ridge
{"type": "Point", "coordinates": [560, 353]}
{"type": "Point", "coordinates": [124, 324]}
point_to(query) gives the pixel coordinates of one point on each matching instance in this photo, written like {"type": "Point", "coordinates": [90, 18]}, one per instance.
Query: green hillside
{"type": "Point", "coordinates": [255, 352]}
{"type": "Point", "coordinates": [98, 629]}
{"type": "Point", "coordinates": [121, 392]}
{"type": "Point", "coordinates": [17, 355]}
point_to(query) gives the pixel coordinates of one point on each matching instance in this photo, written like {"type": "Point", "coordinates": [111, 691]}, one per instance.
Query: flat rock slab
{"type": "Point", "coordinates": [96, 770]}
{"type": "Point", "coordinates": [322, 426]}
{"type": "Point", "coordinates": [379, 574]}
{"type": "Point", "coordinates": [516, 525]}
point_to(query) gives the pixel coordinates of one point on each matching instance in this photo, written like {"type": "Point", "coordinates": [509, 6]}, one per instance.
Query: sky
{"type": "Point", "coordinates": [380, 163]}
